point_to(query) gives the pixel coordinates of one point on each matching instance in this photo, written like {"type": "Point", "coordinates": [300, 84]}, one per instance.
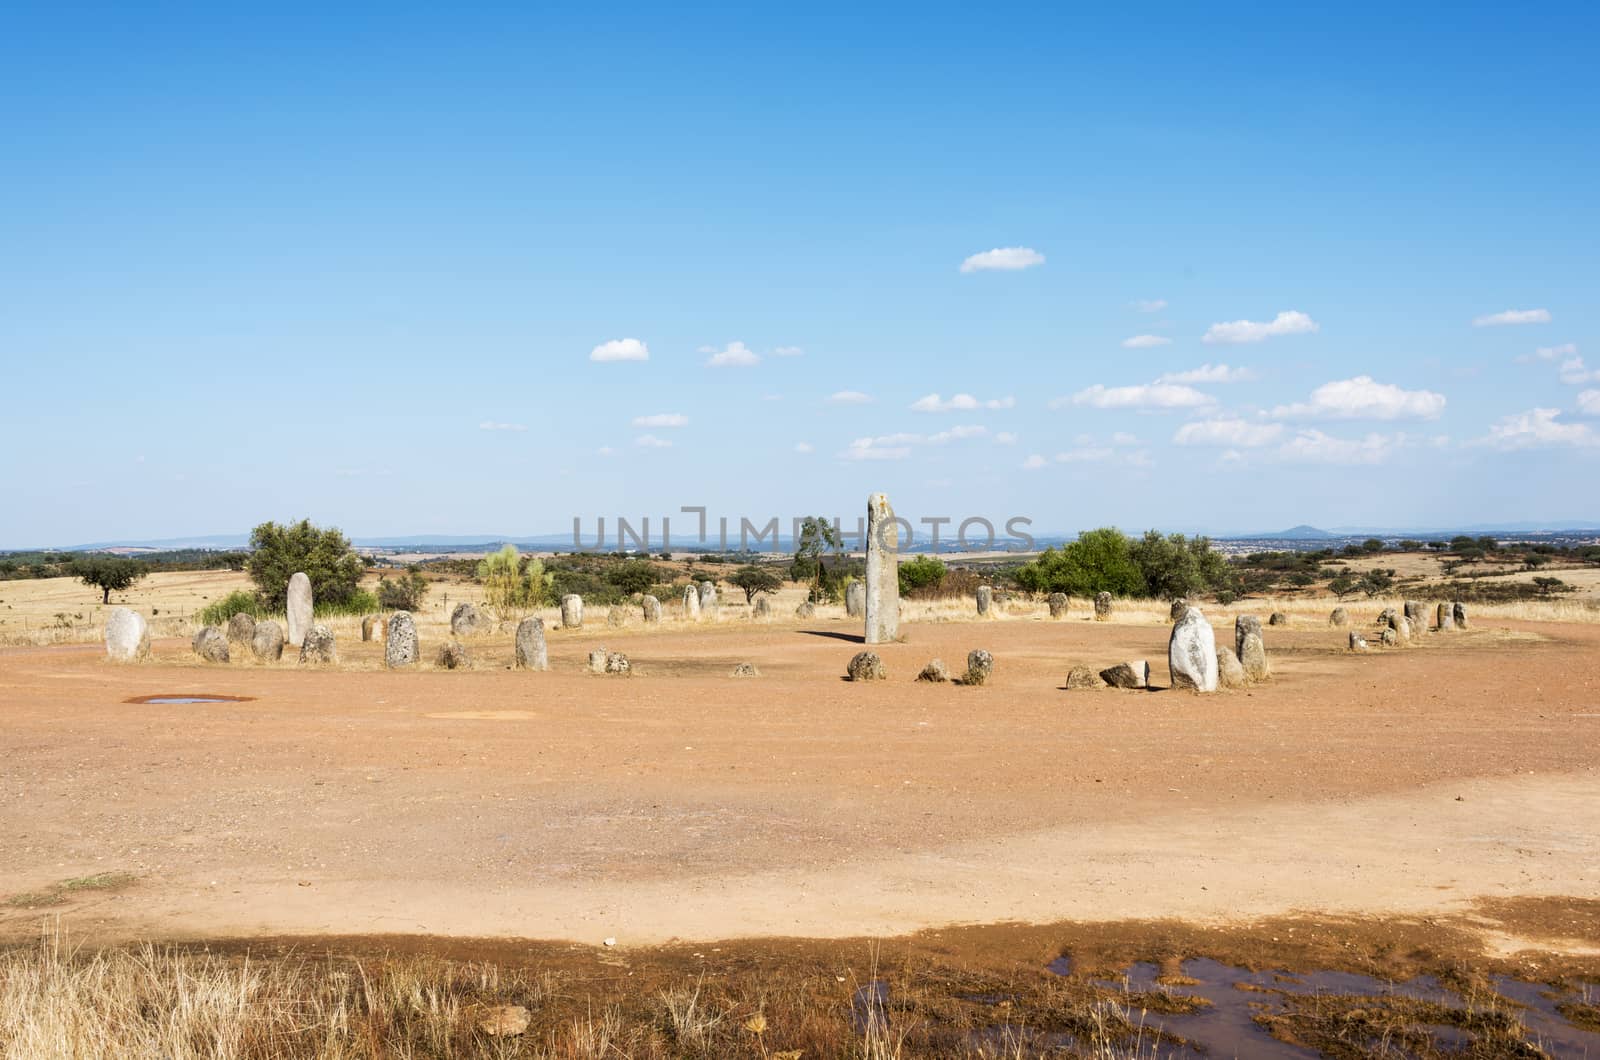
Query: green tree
{"type": "Point", "coordinates": [277, 552]}
{"type": "Point", "coordinates": [108, 574]}
{"type": "Point", "coordinates": [753, 579]}
{"type": "Point", "coordinates": [816, 538]}
{"type": "Point", "coordinates": [404, 593]}
{"type": "Point", "coordinates": [510, 586]}
{"type": "Point", "coordinates": [920, 572]}
{"type": "Point", "coordinates": [1174, 566]}
{"type": "Point", "coordinates": [1372, 544]}
{"type": "Point", "coordinates": [1098, 561]}
{"type": "Point", "coordinates": [1343, 584]}
{"type": "Point", "coordinates": [1376, 581]}
{"type": "Point", "coordinates": [1409, 544]}
{"type": "Point", "coordinates": [633, 576]}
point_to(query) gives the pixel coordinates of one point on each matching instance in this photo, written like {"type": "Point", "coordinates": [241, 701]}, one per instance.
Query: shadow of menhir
{"type": "Point", "coordinates": [853, 638]}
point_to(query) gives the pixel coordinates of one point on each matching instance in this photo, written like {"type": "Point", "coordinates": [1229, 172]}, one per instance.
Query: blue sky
{"type": "Point", "coordinates": [270, 263]}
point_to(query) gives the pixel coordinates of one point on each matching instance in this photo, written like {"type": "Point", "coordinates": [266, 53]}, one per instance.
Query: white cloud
{"type": "Point", "coordinates": [662, 419]}
{"type": "Point", "coordinates": [956, 434]}
{"type": "Point", "coordinates": [1230, 432]}
{"type": "Point", "coordinates": [788, 351]}
{"type": "Point", "coordinates": [650, 441]}
{"type": "Point", "coordinates": [1123, 438]}
{"type": "Point", "coordinates": [1512, 316]}
{"type": "Point", "coordinates": [490, 425]}
{"type": "Point", "coordinates": [1144, 342]}
{"type": "Point", "coordinates": [1034, 462]}
{"type": "Point", "coordinates": [1314, 447]}
{"type": "Point", "coordinates": [1537, 429]}
{"type": "Point", "coordinates": [1290, 322]}
{"type": "Point", "coordinates": [849, 397]}
{"type": "Point", "coordinates": [1362, 399]}
{"type": "Point", "coordinates": [1149, 396]}
{"type": "Point", "coordinates": [1209, 373]}
{"type": "Point", "coordinates": [1085, 455]}
{"type": "Point", "coordinates": [1006, 438]}
{"type": "Point", "coordinates": [875, 449]}
{"type": "Point", "coordinates": [620, 350]}
{"type": "Point", "coordinates": [1003, 258]}
{"type": "Point", "coordinates": [1550, 353]}
{"type": "Point", "coordinates": [959, 403]}
{"type": "Point", "coordinates": [804, 447]}
{"type": "Point", "coordinates": [1589, 402]}
{"type": "Point", "coordinates": [1150, 305]}
{"type": "Point", "coordinates": [734, 355]}
{"type": "Point", "coordinates": [1575, 373]}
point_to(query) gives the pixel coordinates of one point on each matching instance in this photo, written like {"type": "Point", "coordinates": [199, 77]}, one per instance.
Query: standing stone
{"type": "Point", "coordinates": [127, 635]}
{"type": "Point", "coordinates": [745, 669]}
{"type": "Point", "coordinates": [934, 673]}
{"type": "Point", "coordinates": [1386, 617]}
{"type": "Point", "coordinates": [616, 617]}
{"type": "Point", "coordinates": [466, 620]}
{"type": "Point", "coordinates": [211, 644]}
{"type": "Point", "coordinates": [299, 605]}
{"type": "Point", "coordinates": [761, 609]}
{"type": "Point", "coordinates": [985, 600]}
{"type": "Point", "coordinates": [617, 663]}
{"type": "Point", "coordinates": [266, 643]}
{"type": "Point", "coordinates": [1459, 611]}
{"type": "Point", "coordinates": [1242, 627]}
{"type": "Point", "coordinates": [1446, 617]}
{"type": "Point", "coordinates": [980, 664]}
{"type": "Point", "coordinates": [241, 628]}
{"type": "Point", "coordinates": [1080, 676]}
{"type": "Point", "coordinates": [572, 611]}
{"type": "Point", "coordinates": [1102, 607]}
{"type": "Point", "coordinates": [1134, 674]}
{"type": "Point", "coordinates": [708, 595]}
{"type": "Point", "coordinates": [1230, 671]}
{"type": "Point", "coordinates": [372, 628]}
{"type": "Point", "coordinates": [401, 648]}
{"type": "Point", "coordinates": [530, 648]}
{"type": "Point", "coordinates": [807, 609]}
{"type": "Point", "coordinates": [652, 609]}
{"type": "Point", "coordinates": [1417, 613]}
{"type": "Point", "coordinates": [317, 647]}
{"type": "Point", "coordinates": [866, 666]}
{"type": "Point", "coordinates": [855, 600]}
{"type": "Point", "coordinates": [453, 656]}
{"type": "Point", "coordinates": [1277, 618]}
{"type": "Point", "coordinates": [1403, 629]}
{"type": "Point", "coordinates": [1058, 605]}
{"type": "Point", "coordinates": [1192, 652]}
{"type": "Point", "coordinates": [597, 661]}
{"type": "Point", "coordinates": [1357, 641]}
{"type": "Point", "coordinates": [1389, 638]}
{"type": "Point", "coordinates": [1339, 618]}
{"type": "Point", "coordinates": [691, 603]}
{"type": "Point", "coordinates": [1254, 657]}
{"type": "Point", "coordinates": [1179, 607]}
{"type": "Point", "coordinates": [883, 571]}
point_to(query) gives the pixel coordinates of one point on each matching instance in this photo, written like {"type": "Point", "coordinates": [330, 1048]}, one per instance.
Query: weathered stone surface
{"type": "Point", "coordinates": [1230, 671]}
{"type": "Point", "coordinates": [1192, 652]}
{"type": "Point", "coordinates": [1417, 613]}
{"type": "Point", "coordinates": [883, 571]}
{"type": "Point", "coordinates": [372, 628]}
{"type": "Point", "coordinates": [1102, 607]}
{"type": "Point", "coordinates": [1386, 616]}
{"type": "Point", "coordinates": [1081, 676]}
{"type": "Point", "coordinates": [980, 664]}
{"type": "Point", "coordinates": [467, 620]}
{"type": "Point", "coordinates": [299, 607]}
{"type": "Point", "coordinates": [211, 644]}
{"type": "Point", "coordinates": [616, 617]}
{"type": "Point", "coordinates": [1445, 617]}
{"type": "Point", "coordinates": [985, 600]}
{"type": "Point", "coordinates": [504, 1021]}
{"type": "Point", "coordinates": [127, 635]}
{"type": "Point", "coordinates": [650, 607]}
{"type": "Point", "coordinates": [1242, 627]}
{"type": "Point", "coordinates": [617, 663]}
{"type": "Point", "coordinates": [1179, 606]}
{"type": "Point", "coordinates": [866, 666]}
{"type": "Point", "coordinates": [1058, 605]}
{"type": "Point", "coordinates": [266, 643]}
{"type": "Point", "coordinates": [597, 661]}
{"type": "Point", "coordinates": [807, 609]}
{"type": "Point", "coordinates": [452, 656]}
{"type": "Point", "coordinates": [691, 603]}
{"type": "Point", "coordinates": [1403, 629]}
{"type": "Point", "coordinates": [241, 628]}
{"type": "Point", "coordinates": [1277, 618]}
{"type": "Point", "coordinates": [745, 669]}
{"type": "Point", "coordinates": [318, 647]}
{"type": "Point", "coordinates": [1134, 674]}
{"type": "Point", "coordinates": [572, 611]}
{"type": "Point", "coordinates": [1339, 618]}
{"type": "Point", "coordinates": [1389, 638]}
{"type": "Point", "coordinates": [400, 647]}
{"type": "Point", "coordinates": [530, 650]}
{"type": "Point", "coordinates": [1459, 611]}
{"type": "Point", "coordinates": [708, 594]}
{"type": "Point", "coordinates": [855, 599]}
{"type": "Point", "coordinates": [1357, 641]}
{"type": "Point", "coordinates": [761, 609]}
{"type": "Point", "coordinates": [934, 673]}
{"type": "Point", "coordinates": [1254, 657]}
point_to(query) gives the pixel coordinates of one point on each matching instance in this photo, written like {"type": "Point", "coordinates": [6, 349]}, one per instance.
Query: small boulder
{"type": "Point", "coordinates": [1081, 676]}
{"type": "Point", "coordinates": [266, 643]}
{"type": "Point", "coordinates": [1242, 626]}
{"type": "Point", "coordinates": [1230, 671]}
{"type": "Point", "coordinates": [1339, 618]}
{"type": "Point", "coordinates": [211, 644]}
{"type": "Point", "coordinates": [651, 607]}
{"type": "Point", "coordinates": [1102, 607]}
{"type": "Point", "coordinates": [1058, 605]}
{"type": "Point", "coordinates": [1446, 618]}
{"type": "Point", "coordinates": [1127, 675]}
{"type": "Point", "coordinates": [452, 656]}
{"type": "Point", "coordinates": [985, 600]}
{"type": "Point", "coordinates": [934, 673]}
{"type": "Point", "coordinates": [317, 647]}
{"type": "Point", "coordinates": [466, 620]}
{"type": "Point", "coordinates": [866, 666]}
{"type": "Point", "coordinates": [1192, 652]}
{"type": "Point", "coordinates": [1277, 618]}
{"type": "Point", "coordinates": [597, 661]}
{"type": "Point", "coordinates": [127, 635]}
{"type": "Point", "coordinates": [241, 627]}
{"type": "Point", "coordinates": [980, 664]}
{"type": "Point", "coordinates": [530, 652]}
{"type": "Point", "coordinates": [1357, 641]}
{"type": "Point", "coordinates": [1459, 611]}
{"type": "Point", "coordinates": [745, 669]}
{"type": "Point", "coordinates": [372, 628]}
{"type": "Point", "coordinates": [855, 599]}
{"type": "Point", "coordinates": [617, 663]}
{"type": "Point", "coordinates": [807, 609]}
{"type": "Point", "coordinates": [1389, 638]}
{"type": "Point", "coordinates": [400, 646]}
{"type": "Point", "coordinates": [504, 1021]}
{"type": "Point", "coordinates": [616, 617]}
{"type": "Point", "coordinates": [761, 609]}
{"type": "Point", "coordinates": [572, 611]}
{"type": "Point", "coordinates": [1254, 658]}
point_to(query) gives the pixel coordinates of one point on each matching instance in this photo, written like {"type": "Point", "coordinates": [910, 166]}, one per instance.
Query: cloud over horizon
{"type": "Point", "coordinates": [1512, 316]}
{"type": "Point", "coordinates": [1003, 259]}
{"type": "Point", "coordinates": [1363, 399]}
{"type": "Point", "coordinates": [620, 350]}
{"type": "Point", "coordinates": [1289, 322]}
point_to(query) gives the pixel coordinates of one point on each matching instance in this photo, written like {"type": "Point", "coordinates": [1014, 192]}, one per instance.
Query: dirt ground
{"type": "Point", "coordinates": [682, 804]}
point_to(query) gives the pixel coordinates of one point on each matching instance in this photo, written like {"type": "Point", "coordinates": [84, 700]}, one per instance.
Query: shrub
{"type": "Point", "coordinates": [1098, 561]}
{"type": "Point", "coordinates": [404, 593]}
{"type": "Point", "coordinates": [324, 555]}
{"type": "Point", "coordinates": [632, 576]}
{"type": "Point", "coordinates": [921, 572]}
{"type": "Point", "coordinates": [509, 586]}
{"type": "Point", "coordinates": [239, 601]}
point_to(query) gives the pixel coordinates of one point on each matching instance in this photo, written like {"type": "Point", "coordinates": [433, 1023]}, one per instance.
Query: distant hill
{"type": "Point", "coordinates": [1302, 533]}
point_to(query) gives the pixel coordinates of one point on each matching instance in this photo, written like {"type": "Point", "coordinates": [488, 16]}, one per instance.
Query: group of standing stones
{"type": "Point", "coordinates": [1397, 627]}
{"type": "Point", "coordinates": [1194, 659]}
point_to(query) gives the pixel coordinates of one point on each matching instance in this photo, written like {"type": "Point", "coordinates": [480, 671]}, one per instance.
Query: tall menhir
{"type": "Point", "coordinates": [883, 571]}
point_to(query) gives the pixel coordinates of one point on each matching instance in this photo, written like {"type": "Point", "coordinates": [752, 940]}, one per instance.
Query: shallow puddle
{"type": "Point", "coordinates": [194, 698]}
